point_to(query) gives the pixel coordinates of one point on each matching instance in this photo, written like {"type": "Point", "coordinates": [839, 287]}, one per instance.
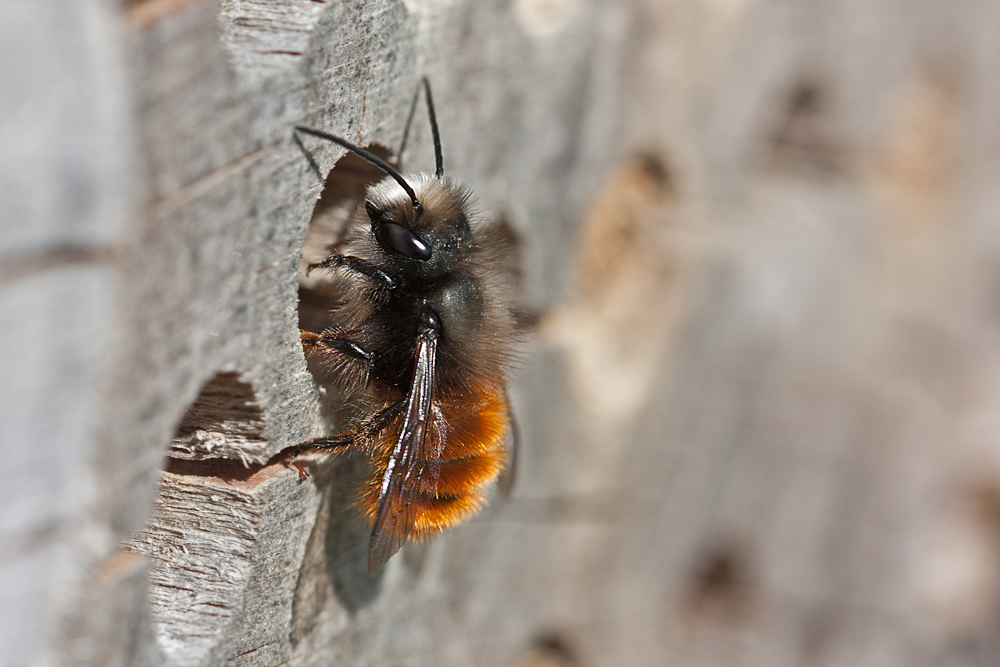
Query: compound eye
{"type": "Point", "coordinates": [401, 241]}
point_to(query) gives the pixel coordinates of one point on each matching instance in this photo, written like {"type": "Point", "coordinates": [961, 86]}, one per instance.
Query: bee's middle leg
{"type": "Point", "coordinates": [355, 433]}
{"type": "Point", "coordinates": [347, 363]}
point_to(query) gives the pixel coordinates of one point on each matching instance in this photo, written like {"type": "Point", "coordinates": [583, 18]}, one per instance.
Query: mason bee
{"type": "Point", "coordinates": [423, 333]}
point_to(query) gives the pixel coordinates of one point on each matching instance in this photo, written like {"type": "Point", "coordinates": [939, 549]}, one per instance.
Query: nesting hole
{"type": "Point", "coordinates": [202, 534]}
{"type": "Point", "coordinates": [957, 578]}
{"type": "Point", "coordinates": [621, 229]}
{"type": "Point", "coordinates": [225, 422]}
{"type": "Point", "coordinates": [802, 139]}
{"type": "Point", "coordinates": [549, 650]}
{"type": "Point", "coordinates": [343, 192]}
{"type": "Point", "coordinates": [721, 587]}
{"type": "Point", "coordinates": [267, 36]}
{"type": "Point", "coordinates": [631, 276]}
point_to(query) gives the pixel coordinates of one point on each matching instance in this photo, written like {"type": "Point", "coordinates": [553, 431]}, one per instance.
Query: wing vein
{"type": "Point", "coordinates": [413, 469]}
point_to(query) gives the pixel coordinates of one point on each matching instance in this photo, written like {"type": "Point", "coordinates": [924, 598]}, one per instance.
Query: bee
{"type": "Point", "coordinates": [424, 333]}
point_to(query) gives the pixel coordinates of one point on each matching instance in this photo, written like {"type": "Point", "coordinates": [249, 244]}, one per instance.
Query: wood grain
{"type": "Point", "coordinates": [760, 253]}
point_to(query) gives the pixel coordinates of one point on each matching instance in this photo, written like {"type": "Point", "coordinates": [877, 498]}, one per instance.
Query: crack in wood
{"type": "Point", "coordinates": [144, 14]}
{"type": "Point", "coordinates": [31, 264]}
{"type": "Point", "coordinates": [207, 183]}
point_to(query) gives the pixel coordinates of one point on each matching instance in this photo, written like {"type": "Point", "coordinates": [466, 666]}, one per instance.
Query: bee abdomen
{"type": "Point", "coordinates": [466, 475]}
{"type": "Point", "coordinates": [475, 427]}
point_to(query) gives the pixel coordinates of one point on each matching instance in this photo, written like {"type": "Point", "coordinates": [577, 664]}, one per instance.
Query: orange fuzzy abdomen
{"type": "Point", "coordinates": [474, 428]}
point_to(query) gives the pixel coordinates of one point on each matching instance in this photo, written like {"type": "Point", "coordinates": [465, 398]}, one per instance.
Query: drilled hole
{"type": "Point", "coordinates": [719, 578]}
{"type": "Point", "coordinates": [720, 586]}
{"type": "Point", "coordinates": [343, 191]}
{"type": "Point", "coordinates": [202, 535]}
{"type": "Point", "coordinates": [803, 140]}
{"type": "Point", "coordinates": [630, 283]}
{"type": "Point", "coordinates": [224, 422]}
{"type": "Point", "coordinates": [549, 650]}
{"type": "Point", "coordinates": [335, 562]}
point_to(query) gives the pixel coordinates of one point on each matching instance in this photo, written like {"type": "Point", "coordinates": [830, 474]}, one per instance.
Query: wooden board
{"type": "Point", "coordinates": [760, 242]}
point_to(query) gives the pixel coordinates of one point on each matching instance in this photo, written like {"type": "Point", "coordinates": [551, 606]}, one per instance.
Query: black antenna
{"type": "Point", "coordinates": [438, 158]}
{"type": "Point", "coordinates": [374, 159]}
{"type": "Point", "coordinates": [409, 122]}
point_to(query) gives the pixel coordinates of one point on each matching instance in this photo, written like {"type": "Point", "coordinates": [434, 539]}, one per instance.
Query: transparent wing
{"type": "Point", "coordinates": [505, 483]}
{"type": "Point", "coordinates": [414, 466]}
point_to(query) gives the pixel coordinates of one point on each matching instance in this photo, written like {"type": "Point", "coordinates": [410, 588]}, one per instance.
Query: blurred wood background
{"type": "Point", "coordinates": [761, 410]}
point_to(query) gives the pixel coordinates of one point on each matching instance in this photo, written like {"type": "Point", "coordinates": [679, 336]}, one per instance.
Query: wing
{"type": "Point", "coordinates": [505, 483]}
{"type": "Point", "coordinates": [414, 465]}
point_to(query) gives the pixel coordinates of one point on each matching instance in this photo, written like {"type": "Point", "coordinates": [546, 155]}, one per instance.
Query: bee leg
{"type": "Point", "coordinates": [327, 442]}
{"type": "Point", "coordinates": [345, 360]}
{"type": "Point", "coordinates": [329, 341]}
{"type": "Point", "coordinates": [380, 421]}
{"type": "Point", "coordinates": [362, 432]}
{"type": "Point", "coordinates": [357, 265]}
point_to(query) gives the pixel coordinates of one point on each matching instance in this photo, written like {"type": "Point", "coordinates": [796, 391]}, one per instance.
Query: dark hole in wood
{"type": "Point", "coordinates": [224, 422]}
{"type": "Point", "coordinates": [336, 559]}
{"type": "Point", "coordinates": [198, 568]}
{"type": "Point", "coordinates": [550, 649]}
{"type": "Point", "coordinates": [721, 586]}
{"type": "Point", "coordinates": [655, 168]}
{"type": "Point", "coordinates": [225, 469]}
{"type": "Point", "coordinates": [802, 140]}
{"type": "Point", "coordinates": [806, 98]}
{"type": "Point", "coordinates": [620, 242]}
{"type": "Point", "coordinates": [343, 192]}
{"type": "Point", "coordinates": [719, 576]}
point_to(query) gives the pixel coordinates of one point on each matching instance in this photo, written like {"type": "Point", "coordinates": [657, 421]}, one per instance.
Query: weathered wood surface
{"type": "Point", "coordinates": [759, 412]}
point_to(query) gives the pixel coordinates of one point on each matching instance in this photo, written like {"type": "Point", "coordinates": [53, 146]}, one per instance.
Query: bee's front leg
{"type": "Point", "coordinates": [346, 362]}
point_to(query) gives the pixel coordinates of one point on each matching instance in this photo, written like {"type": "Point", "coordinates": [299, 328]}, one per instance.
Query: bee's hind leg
{"type": "Point", "coordinates": [359, 433]}
{"type": "Point", "coordinates": [327, 442]}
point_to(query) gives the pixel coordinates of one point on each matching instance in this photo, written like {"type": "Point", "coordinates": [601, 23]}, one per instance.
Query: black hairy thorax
{"type": "Point", "coordinates": [446, 280]}
{"type": "Point", "coordinates": [391, 331]}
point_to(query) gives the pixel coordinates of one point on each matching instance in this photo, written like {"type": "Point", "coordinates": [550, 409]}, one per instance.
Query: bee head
{"type": "Point", "coordinates": [421, 221]}
{"type": "Point", "coordinates": [426, 240]}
